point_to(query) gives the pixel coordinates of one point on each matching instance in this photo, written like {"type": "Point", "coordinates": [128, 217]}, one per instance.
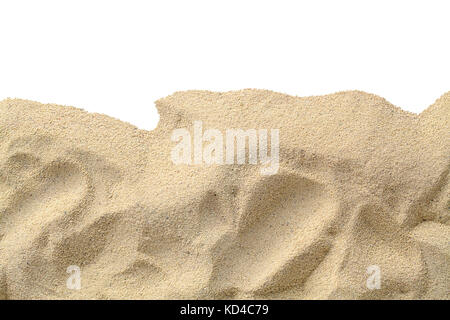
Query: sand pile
{"type": "Point", "coordinates": [361, 184]}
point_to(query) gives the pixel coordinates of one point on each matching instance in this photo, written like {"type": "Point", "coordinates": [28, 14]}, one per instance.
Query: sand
{"type": "Point", "coordinates": [361, 183]}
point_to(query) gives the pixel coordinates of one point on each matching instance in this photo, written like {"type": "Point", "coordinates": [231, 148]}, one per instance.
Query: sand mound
{"type": "Point", "coordinates": [361, 184]}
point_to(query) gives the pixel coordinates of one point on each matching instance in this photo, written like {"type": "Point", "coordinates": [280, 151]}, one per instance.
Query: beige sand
{"type": "Point", "coordinates": [360, 183]}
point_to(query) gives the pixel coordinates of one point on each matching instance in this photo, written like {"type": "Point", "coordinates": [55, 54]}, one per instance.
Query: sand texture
{"type": "Point", "coordinates": [360, 183]}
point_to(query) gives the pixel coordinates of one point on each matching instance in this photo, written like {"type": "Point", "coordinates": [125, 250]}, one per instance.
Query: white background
{"type": "Point", "coordinates": [118, 57]}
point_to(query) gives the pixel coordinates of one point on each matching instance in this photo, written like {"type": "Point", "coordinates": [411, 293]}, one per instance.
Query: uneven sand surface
{"type": "Point", "coordinates": [360, 182]}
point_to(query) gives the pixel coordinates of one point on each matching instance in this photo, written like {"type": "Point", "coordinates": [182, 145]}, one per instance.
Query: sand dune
{"type": "Point", "coordinates": [360, 183]}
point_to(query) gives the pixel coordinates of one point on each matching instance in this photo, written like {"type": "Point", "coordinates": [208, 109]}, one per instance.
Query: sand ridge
{"type": "Point", "coordinates": [360, 182]}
